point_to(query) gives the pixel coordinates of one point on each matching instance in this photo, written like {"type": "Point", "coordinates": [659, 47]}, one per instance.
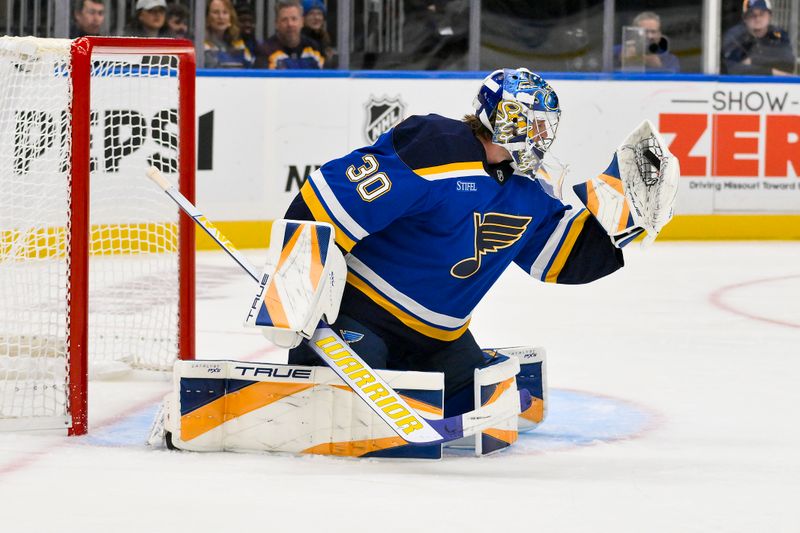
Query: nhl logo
{"type": "Point", "coordinates": [382, 115]}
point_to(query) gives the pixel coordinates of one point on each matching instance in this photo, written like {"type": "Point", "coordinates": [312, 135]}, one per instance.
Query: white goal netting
{"type": "Point", "coordinates": [133, 244]}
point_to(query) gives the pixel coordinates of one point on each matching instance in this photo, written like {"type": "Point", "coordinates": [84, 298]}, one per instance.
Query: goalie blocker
{"type": "Point", "coordinates": [261, 407]}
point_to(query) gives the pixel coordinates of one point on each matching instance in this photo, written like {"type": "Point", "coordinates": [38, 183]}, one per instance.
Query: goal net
{"type": "Point", "coordinates": [96, 266]}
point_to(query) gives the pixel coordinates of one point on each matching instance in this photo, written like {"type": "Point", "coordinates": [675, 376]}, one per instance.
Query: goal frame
{"type": "Point", "coordinates": [81, 53]}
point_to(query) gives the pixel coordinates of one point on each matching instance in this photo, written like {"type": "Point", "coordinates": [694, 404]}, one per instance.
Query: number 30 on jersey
{"type": "Point", "coordinates": [371, 183]}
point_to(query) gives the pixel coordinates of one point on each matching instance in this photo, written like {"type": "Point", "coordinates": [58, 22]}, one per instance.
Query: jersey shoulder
{"type": "Point", "coordinates": [424, 141]}
{"type": "Point", "coordinates": [780, 35]}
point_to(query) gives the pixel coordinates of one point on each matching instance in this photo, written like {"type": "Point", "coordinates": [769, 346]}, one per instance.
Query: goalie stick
{"type": "Point", "coordinates": [413, 428]}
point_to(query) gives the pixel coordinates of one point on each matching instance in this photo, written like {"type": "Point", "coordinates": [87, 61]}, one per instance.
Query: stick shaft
{"type": "Point", "coordinates": [201, 220]}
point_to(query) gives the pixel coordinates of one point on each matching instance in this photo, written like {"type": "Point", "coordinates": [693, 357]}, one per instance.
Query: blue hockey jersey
{"type": "Point", "coordinates": [430, 226]}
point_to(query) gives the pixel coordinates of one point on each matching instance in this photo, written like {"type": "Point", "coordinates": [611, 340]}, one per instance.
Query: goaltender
{"type": "Point", "coordinates": [394, 245]}
{"type": "Point", "coordinates": [431, 215]}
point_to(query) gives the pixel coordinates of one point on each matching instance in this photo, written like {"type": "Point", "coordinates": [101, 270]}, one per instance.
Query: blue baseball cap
{"type": "Point", "coordinates": [747, 5]}
{"type": "Point", "coordinates": [308, 5]}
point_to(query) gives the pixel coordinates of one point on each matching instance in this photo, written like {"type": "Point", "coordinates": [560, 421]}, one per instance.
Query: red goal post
{"type": "Point", "coordinates": [121, 262]}
{"type": "Point", "coordinates": [82, 52]}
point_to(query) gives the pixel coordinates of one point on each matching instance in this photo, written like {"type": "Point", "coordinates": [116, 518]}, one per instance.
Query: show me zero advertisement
{"type": "Point", "coordinates": [739, 148]}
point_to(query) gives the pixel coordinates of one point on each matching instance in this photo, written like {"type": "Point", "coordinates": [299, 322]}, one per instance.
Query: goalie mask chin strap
{"type": "Point", "coordinates": [500, 172]}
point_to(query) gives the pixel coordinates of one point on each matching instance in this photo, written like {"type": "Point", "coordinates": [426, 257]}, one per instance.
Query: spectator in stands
{"type": "Point", "coordinates": [224, 47]}
{"type": "Point", "coordinates": [247, 27]}
{"type": "Point", "coordinates": [178, 21]}
{"type": "Point", "coordinates": [288, 48]}
{"type": "Point", "coordinates": [150, 19]}
{"type": "Point", "coordinates": [657, 58]}
{"type": "Point", "coordinates": [756, 46]}
{"type": "Point", "coordinates": [87, 16]}
{"type": "Point", "coordinates": [314, 27]}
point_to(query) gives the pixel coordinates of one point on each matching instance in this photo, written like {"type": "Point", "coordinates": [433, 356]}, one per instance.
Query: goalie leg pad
{"type": "Point", "coordinates": [491, 383]}
{"type": "Point", "coordinates": [531, 377]}
{"type": "Point", "coordinates": [494, 383]}
{"type": "Point", "coordinates": [234, 406]}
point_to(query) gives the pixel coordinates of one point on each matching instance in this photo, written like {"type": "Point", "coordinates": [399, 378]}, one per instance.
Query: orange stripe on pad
{"type": "Point", "coordinates": [623, 218]}
{"type": "Point", "coordinates": [534, 413]}
{"type": "Point", "coordinates": [275, 308]}
{"type": "Point", "coordinates": [234, 405]}
{"type": "Point", "coordinates": [355, 448]}
{"type": "Point", "coordinates": [288, 247]}
{"type": "Point", "coordinates": [592, 202]}
{"type": "Point", "coordinates": [316, 259]}
{"type": "Point", "coordinates": [505, 435]}
{"type": "Point", "coordinates": [616, 183]}
{"type": "Point", "coordinates": [422, 406]}
{"type": "Point", "coordinates": [501, 388]}
{"type": "Point", "coordinates": [272, 299]}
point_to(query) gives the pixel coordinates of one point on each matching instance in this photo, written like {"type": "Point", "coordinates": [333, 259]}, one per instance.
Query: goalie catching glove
{"type": "Point", "coordinates": [637, 192]}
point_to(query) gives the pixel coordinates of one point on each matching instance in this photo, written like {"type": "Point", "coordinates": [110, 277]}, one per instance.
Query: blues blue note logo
{"type": "Point", "coordinates": [493, 232]}
{"type": "Point", "coordinates": [350, 337]}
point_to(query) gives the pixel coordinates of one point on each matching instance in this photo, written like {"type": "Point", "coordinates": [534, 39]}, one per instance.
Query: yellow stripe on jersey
{"type": "Point", "coordinates": [310, 52]}
{"type": "Point", "coordinates": [321, 215]}
{"type": "Point", "coordinates": [451, 167]}
{"type": "Point", "coordinates": [274, 57]}
{"type": "Point", "coordinates": [566, 247]}
{"type": "Point", "coordinates": [410, 321]}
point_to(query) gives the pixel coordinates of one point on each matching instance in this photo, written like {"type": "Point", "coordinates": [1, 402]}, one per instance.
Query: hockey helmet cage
{"type": "Point", "coordinates": [522, 111]}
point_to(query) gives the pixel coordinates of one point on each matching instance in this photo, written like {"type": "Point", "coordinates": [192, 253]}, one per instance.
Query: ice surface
{"type": "Point", "coordinates": [673, 388]}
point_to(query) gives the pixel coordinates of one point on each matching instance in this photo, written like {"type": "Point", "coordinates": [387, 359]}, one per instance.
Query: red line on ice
{"type": "Point", "coordinates": [716, 300]}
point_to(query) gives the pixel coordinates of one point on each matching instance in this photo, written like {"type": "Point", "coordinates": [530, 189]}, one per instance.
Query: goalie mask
{"type": "Point", "coordinates": [522, 112]}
